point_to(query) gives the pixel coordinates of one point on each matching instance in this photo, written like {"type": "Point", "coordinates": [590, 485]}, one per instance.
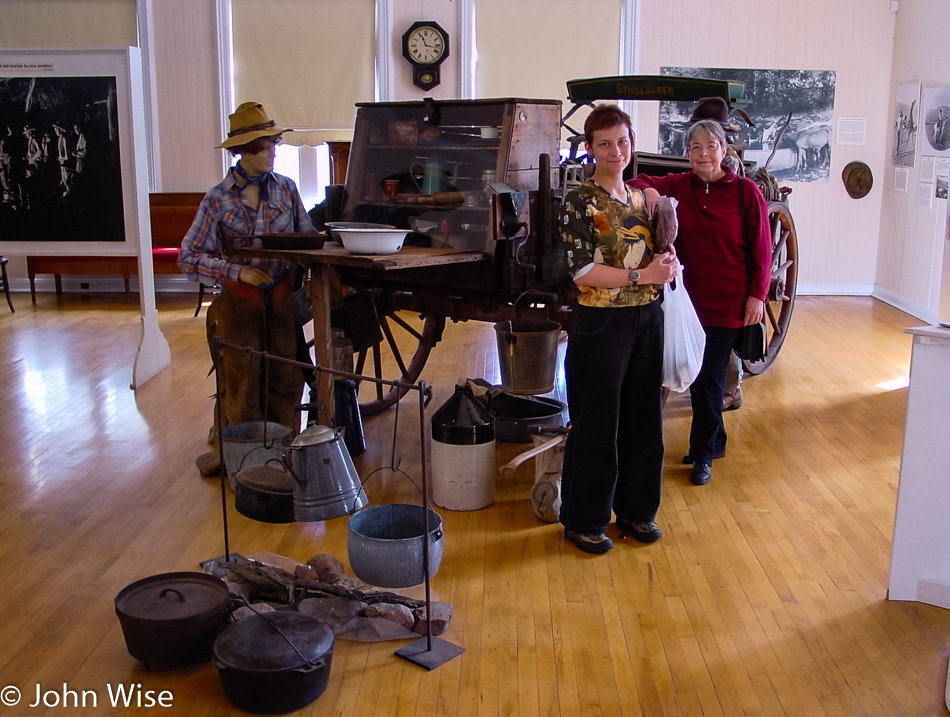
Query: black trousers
{"type": "Point", "coordinates": [613, 457]}
{"type": "Point", "coordinates": [707, 433]}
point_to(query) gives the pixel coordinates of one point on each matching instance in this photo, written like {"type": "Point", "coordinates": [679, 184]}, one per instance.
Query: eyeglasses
{"type": "Point", "coordinates": [275, 139]}
{"type": "Point", "coordinates": [699, 148]}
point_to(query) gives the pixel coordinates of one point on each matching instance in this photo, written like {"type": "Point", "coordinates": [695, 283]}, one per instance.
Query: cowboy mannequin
{"type": "Point", "coordinates": [255, 307]}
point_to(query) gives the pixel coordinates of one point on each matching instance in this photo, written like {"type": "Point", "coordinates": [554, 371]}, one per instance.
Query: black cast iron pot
{"type": "Point", "coordinates": [172, 619]}
{"type": "Point", "coordinates": [265, 493]}
{"type": "Point", "coordinates": [274, 662]}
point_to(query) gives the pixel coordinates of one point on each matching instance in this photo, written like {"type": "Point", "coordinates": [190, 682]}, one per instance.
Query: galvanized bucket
{"type": "Point", "coordinates": [251, 444]}
{"type": "Point", "coordinates": [385, 548]}
{"type": "Point", "coordinates": [527, 355]}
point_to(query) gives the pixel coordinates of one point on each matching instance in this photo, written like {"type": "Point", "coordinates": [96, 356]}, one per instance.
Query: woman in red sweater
{"type": "Point", "coordinates": [728, 289]}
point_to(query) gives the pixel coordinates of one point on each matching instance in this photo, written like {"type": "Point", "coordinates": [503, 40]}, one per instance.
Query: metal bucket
{"type": "Point", "coordinates": [527, 354]}
{"type": "Point", "coordinates": [326, 484]}
{"type": "Point", "coordinates": [385, 548]}
{"type": "Point", "coordinates": [251, 444]}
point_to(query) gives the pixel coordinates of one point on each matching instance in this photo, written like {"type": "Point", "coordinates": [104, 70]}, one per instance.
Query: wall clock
{"type": "Point", "coordinates": [425, 45]}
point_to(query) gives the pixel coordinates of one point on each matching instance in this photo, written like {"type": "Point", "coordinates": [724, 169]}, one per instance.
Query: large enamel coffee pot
{"type": "Point", "coordinates": [326, 484]}
{"type": "Point", "coordinates": [437, 175]}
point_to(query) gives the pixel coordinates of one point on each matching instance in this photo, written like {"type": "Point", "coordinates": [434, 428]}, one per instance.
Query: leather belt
{"type": "Point", "coordinates": [261, 298]}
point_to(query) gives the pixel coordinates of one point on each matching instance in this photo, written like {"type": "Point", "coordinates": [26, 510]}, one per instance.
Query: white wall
{"type": "Point", "coordinates": [838, 236]}
{"type": "Point", "coordinates": [846, 245]}
{"type": "Point", "coordinates": [913, 268]}
{"type": "Point", "coordinates": [187, 95]}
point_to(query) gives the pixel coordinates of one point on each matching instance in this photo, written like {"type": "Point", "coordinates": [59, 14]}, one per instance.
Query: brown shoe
{"type": "Point", "coordinates": [732, 401]}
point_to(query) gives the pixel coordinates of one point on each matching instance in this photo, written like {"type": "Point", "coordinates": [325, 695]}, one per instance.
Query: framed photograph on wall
{"type": "Point", "coordinates": [67, 160]}
{"type": "Point", "coordinates": [792, 111]}
{"type": "Point", "coordinates": [905, 124]}
{"type": "Point", "coordinates": [936, 121]}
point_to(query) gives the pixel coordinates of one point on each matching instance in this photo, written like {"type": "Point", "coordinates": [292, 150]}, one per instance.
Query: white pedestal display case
{"type": "Point", "coordinates": [920, 554]}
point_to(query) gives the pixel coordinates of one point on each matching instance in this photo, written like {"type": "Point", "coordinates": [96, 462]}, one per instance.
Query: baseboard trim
{"type": "Point", "coordinates": [918, 311]}
{"type": "Point", "coordinates": [98, 284]}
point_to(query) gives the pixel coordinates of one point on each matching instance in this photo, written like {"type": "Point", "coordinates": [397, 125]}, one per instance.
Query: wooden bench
{"type": "Point", "coordinates": [170, 213]}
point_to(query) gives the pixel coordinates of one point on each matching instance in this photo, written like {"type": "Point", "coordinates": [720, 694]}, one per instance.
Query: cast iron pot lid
{"type": "Point", "coordinates": [253, 645]}
{"type": "Point", "coordinates": [267, 479]}
{"type": "Point", "coordinates": [172, 596]}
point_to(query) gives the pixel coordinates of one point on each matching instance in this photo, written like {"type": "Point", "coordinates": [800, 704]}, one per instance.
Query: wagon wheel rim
{"type": "Point", "coordinates": [783, 286]}
{"type": "Point", "coordinates": [400, 355]}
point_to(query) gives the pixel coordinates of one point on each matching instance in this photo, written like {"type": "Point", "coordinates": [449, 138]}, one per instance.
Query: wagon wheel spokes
{"type": "Point", "coordinates": [783, 287]}
{"type": "Point", "coordinates": [401, 339]}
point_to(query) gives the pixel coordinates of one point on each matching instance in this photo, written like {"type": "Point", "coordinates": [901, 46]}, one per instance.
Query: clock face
{"type": "Point", "coordinates": [426, 45]}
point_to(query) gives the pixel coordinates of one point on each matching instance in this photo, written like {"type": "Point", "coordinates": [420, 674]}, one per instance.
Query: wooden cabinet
{"type": "Point", "coordinates": [426, 166]}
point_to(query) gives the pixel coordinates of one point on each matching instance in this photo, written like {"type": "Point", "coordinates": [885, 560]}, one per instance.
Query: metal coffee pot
{"type": "Point", "coordinates": [326, 484]}
{"type": "Point", "coordinates": [437, 176]}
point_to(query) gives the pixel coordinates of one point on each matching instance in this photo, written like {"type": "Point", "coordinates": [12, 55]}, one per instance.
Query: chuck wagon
{"type": "Point", "coordinates": [479, 184]}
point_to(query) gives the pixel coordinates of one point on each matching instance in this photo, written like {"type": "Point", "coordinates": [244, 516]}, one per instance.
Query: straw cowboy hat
{"type": "Point", "coordinates": [250, 121]}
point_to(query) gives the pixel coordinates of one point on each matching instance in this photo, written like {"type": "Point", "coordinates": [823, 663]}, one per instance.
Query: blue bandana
{"type": "Point", "coordinates": [261, 180]}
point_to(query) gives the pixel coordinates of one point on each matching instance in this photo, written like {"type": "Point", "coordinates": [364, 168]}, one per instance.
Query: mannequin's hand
{"type": "Point", "coordinates": [254, 275]}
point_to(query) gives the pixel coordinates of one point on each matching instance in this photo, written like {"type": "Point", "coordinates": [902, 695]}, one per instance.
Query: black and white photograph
{"type": "Point", "coordinates": [936, 120]}
{"type": "Point", "coordinates": [60, 172]}
{"type": "Point", "coordinates": [905, 124]}
{"type": "Point", "coordinates": [791, 110]}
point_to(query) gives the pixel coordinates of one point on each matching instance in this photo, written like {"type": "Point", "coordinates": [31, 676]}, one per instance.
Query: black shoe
{"type": "Point", "coordinates": [590, 543]}
{"type": "Point", "coordinates": [699, 474]}
{"type": "Point", "coordinates": [644, 532]}
{"type": "Point", "coordinates": [688, 458]}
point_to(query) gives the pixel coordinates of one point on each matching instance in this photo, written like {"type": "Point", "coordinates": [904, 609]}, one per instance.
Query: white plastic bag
{"type": "Point", "coordinates": [684, 339]}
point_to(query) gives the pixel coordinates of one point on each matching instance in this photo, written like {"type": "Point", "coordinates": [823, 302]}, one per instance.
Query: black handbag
{"type": "Point", "coordinates": [752, 344]}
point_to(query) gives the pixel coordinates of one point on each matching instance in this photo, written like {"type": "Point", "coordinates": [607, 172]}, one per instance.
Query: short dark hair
{"type": "Point", "coordinates": [254, 146]}
{"type": "Point", "coordinates": [604, 117]}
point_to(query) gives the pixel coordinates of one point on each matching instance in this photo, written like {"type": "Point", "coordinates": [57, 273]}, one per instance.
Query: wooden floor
{"type": "Point", "coordinates": [766, 596]}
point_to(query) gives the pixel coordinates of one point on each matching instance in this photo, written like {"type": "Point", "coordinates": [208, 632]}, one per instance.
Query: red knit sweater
{"type": "Point", "coordinates": [710, 242]}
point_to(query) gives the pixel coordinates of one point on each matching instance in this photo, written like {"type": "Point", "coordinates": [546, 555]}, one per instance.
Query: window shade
{"type": "Point", "coordinates": [307, 61]}
{"type": "Point", "coordinates": [67, 23]}
{"type": "Point", "coordinates": [581, 40]}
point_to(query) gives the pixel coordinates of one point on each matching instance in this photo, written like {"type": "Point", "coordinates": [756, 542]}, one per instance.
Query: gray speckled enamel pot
{"type": "Point", "coordinates": [385, 548]}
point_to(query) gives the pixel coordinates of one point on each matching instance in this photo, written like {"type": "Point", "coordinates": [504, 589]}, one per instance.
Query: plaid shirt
{"type": "Point", "coordinates": [223, 221]}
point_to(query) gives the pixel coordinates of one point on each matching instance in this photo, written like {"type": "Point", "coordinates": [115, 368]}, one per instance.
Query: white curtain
{"type": "Point", "coordinates": [307, 61]}
{"type": "Point", "coordinates": [531, 48]}
{"type": "Point", "coordinates": [67, 23]}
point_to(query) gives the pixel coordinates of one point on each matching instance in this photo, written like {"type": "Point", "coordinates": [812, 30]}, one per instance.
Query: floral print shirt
{"type": "Point", "coordinates": [596, 228]}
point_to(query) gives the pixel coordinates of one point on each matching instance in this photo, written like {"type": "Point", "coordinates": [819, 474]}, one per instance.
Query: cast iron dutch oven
{"type": "Point", "coordinates": [274, 662]}
{"type": "Point", "coordinates": [265, 493]}
{"type": "Point", "coordinates": [172, 619]}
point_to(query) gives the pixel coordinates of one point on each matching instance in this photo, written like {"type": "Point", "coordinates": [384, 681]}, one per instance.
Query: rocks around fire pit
{"type": "Point", "coordinates": [323, 590]}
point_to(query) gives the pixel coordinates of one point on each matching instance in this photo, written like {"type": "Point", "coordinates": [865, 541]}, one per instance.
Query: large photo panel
{"type": "Point", "coordinates": [792, 111]}
{"type": "Point", "coordinates": [66, 156]}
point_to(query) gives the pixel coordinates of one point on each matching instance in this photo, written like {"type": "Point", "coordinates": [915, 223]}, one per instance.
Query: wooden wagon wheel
{"type": "Point", "coordinates": [401, 337]}
{"type": "Point", "coordinates": [781, 298]}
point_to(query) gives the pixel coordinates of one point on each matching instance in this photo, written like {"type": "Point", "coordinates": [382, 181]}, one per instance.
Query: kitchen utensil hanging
{"type": "Point", "coordinates": [428, 652]}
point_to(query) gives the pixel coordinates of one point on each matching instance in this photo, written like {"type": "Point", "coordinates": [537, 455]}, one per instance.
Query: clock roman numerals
{"type": "Point", "coordinates": [426, 46]}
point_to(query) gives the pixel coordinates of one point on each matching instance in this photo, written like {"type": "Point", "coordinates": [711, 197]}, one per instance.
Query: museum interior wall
{"type": "Point", "coordinates": [880, 244]}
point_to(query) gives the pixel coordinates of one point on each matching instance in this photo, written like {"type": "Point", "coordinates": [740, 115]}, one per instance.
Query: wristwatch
{"type": "Point", "coordinates": [634, 277]}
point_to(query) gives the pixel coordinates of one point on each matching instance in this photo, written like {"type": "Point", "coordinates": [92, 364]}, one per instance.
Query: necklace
{"type": "Point", "coordinates": [705, 200]}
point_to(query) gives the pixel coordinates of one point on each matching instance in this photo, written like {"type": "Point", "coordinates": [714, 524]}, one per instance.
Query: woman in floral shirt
{"type": "Point", "coordinates": [613, 459]}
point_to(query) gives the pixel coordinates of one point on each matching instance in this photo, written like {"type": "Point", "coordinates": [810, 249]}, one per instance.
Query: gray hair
{"type": "Point", "coordinates": [710, 127]}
